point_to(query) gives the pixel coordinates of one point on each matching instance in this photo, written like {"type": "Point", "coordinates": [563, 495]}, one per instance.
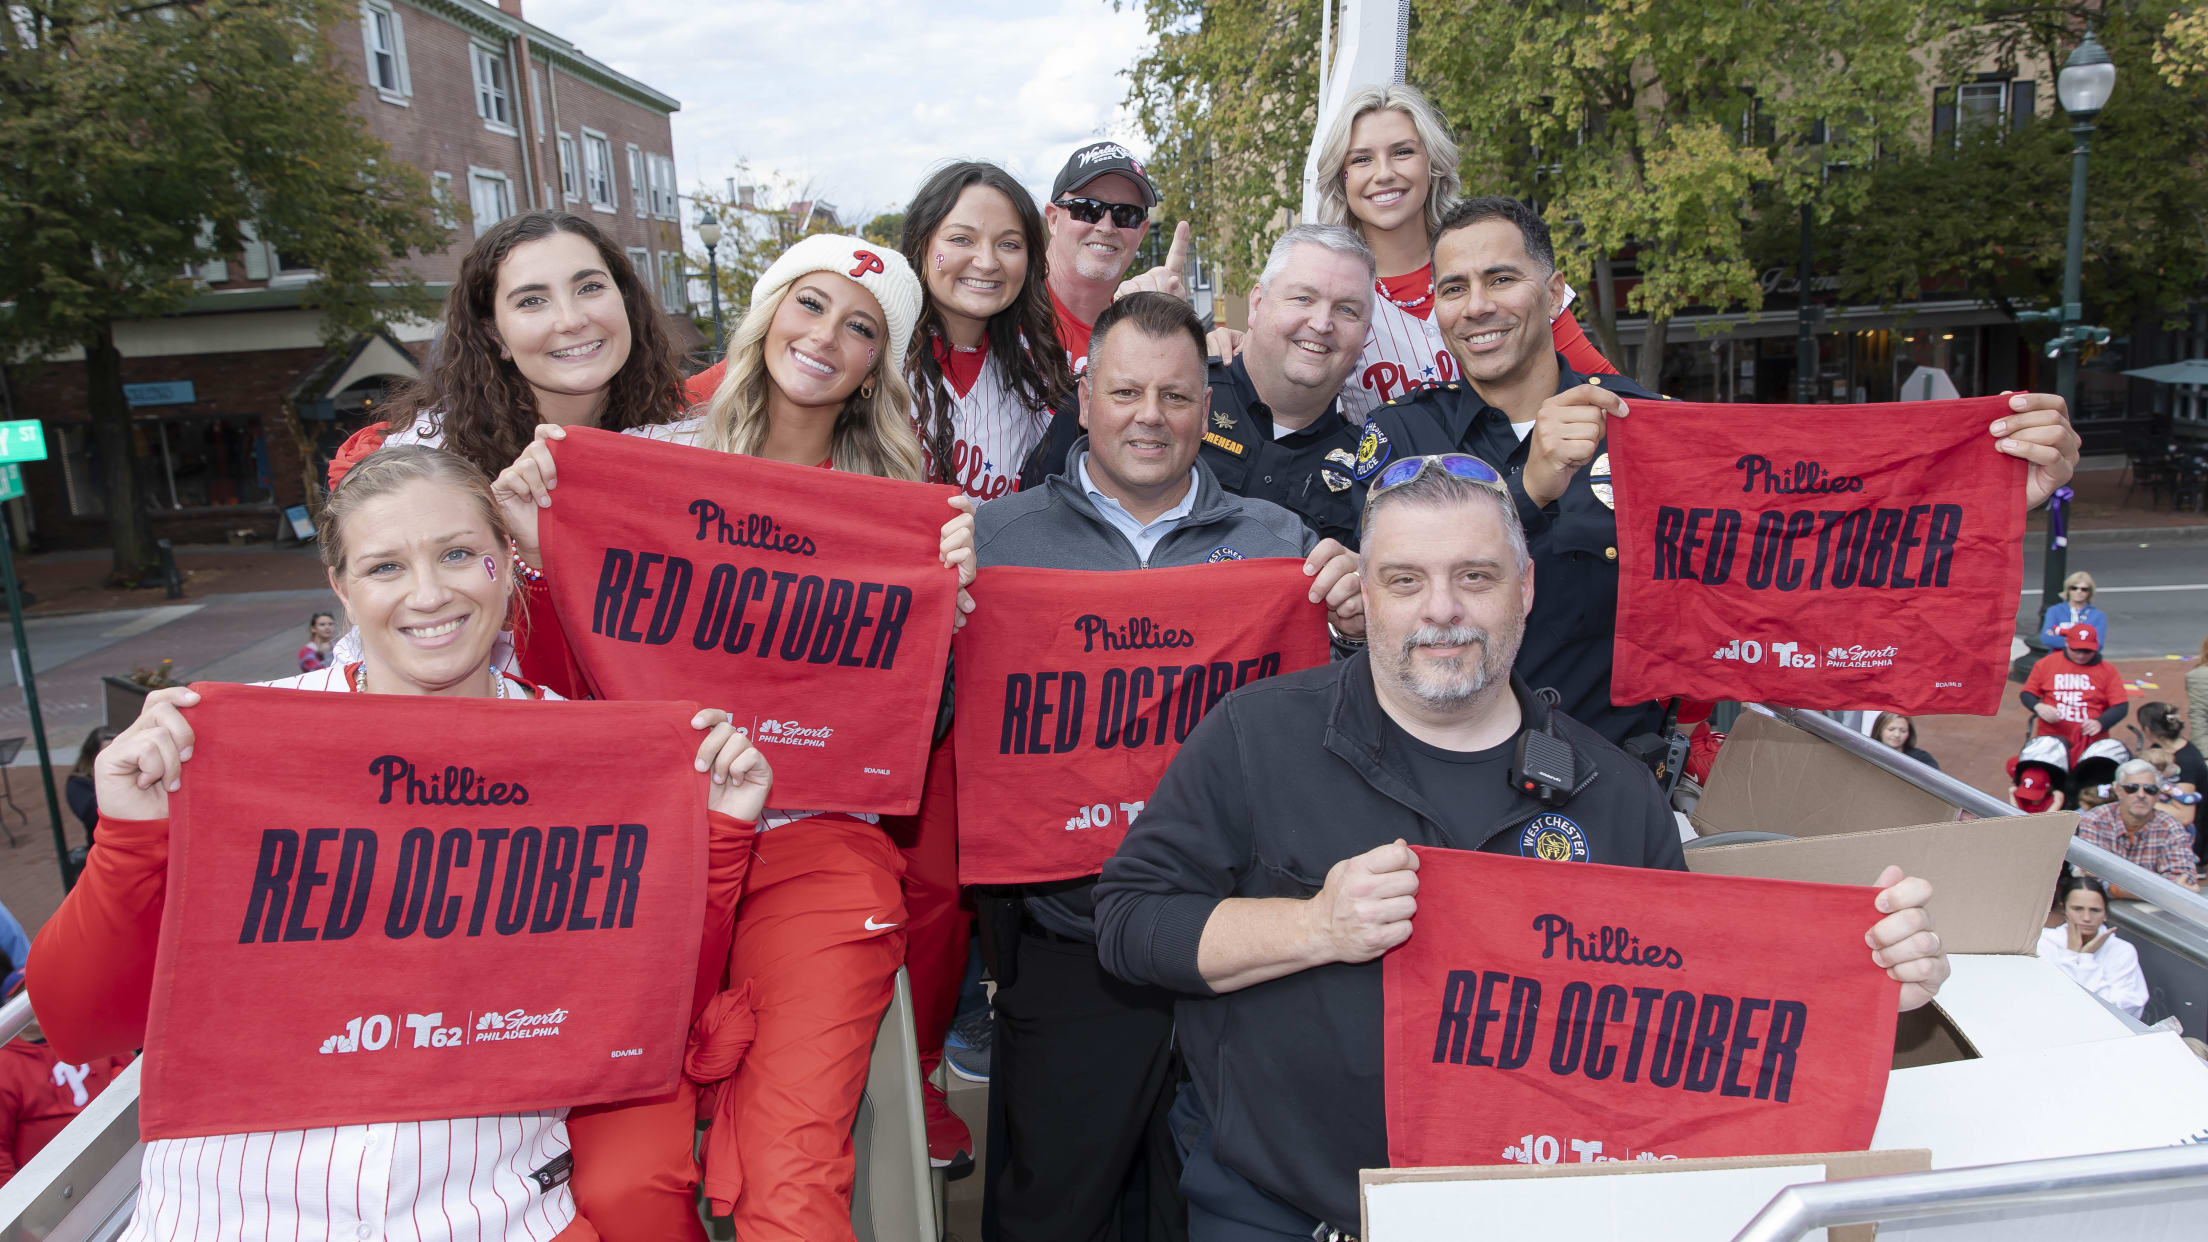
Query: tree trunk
{"type": "Point", "coordinates": [1651, 370]}
{"type": "Point", "coordinates": [127, 529]}
{"type": "Point", "coordinates": [1606, 317]}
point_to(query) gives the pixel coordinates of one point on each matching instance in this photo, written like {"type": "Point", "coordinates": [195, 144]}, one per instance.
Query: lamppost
{"type": "Point", "coordinates": [709, 232]}
{"type": "Point", "coordinates": [2084, 85]}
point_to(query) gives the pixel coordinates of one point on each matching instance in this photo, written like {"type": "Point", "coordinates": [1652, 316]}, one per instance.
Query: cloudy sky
{"type": "Point", "coordinates": [856, 99]}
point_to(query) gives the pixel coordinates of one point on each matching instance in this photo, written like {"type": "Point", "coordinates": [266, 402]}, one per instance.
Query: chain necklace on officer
{"type": "Point", "coordinates": [360, 680]}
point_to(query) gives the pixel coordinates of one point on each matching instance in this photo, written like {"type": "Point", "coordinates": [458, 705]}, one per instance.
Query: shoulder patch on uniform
{"type": "Point", "coordinates": [1217, 441]}
{"type": "Point", "coordinates": [1373, 451]}
{"type": "Point", "coordinates": [1552, 838]}
{"type": "Point", "coordinates": [1335, 480]}
{"type": "Point", "coordinates": [1223, 553]}
{"type": "Point", "coordinates": [1598, 480]}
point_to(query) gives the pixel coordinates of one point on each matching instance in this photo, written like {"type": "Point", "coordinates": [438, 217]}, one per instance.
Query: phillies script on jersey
{"type": "Point", "coordinates": [1826, 556]}
{"type": "Point", "coordinates": [810, 603]}
{"type": "Point", "coordinates": [1076, 689]}
{"type": "Point", "coordinates": [1546, 1011]}
{"type": "Point", "coordinates": [443, 908]}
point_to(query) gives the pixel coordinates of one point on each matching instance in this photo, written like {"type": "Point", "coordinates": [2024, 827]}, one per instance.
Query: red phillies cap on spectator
{"type": "Point", "coordinates": [2034, 788]}
{"type": "Point", "coordinates": [2082, 637]}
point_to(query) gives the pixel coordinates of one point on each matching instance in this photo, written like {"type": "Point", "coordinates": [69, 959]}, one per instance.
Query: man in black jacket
{"type": "Point", "coordinates": [1272, 867]}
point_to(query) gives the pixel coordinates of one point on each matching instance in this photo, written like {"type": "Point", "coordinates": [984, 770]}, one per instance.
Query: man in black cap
{"type": "Point", "coordinates": [1098, 212]}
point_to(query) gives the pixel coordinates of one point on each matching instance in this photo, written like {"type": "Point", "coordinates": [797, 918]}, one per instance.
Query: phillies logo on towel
{"type": "Point", "coordinates": [1827, 556]}
{"type": "Point", "coordinates": [1544, 1014]}
{"type": "Point", "coordinates": [1075, 690]}
{"type": "Point", "coordinates": [810, 603]}
{"type": "Point", "coordinates": [442, 908]}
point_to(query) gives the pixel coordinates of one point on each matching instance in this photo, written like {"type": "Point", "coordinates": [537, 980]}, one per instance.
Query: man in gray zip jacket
{"type": "Point", "coordinates": [1082, 1070]}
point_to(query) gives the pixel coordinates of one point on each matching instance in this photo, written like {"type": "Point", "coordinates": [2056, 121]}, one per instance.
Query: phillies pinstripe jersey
{"type": "Point", "coordinates": [994, 429]}
{"type": "Point", "coordinates": [1405, 351]}
{"type": "Point", "coordinates": [399, 1181]}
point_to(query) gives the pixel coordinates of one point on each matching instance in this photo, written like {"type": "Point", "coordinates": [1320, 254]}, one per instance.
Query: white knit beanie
{"type": "Point", "coordinates": [881, 270]}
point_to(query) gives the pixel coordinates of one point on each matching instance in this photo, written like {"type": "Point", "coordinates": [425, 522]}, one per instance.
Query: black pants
{"type": "Point", "coordinates": [1223, 1205]}
{"type": "Point", "coordinates": [1081, 1075]}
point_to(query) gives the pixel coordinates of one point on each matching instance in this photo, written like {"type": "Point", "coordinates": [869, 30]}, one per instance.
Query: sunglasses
{"type": "Point", "coordinates": [1091, 210]}
{"type": "Point", "coordinates": [2136, 789]}
{"type": "Point", "coordinates": [1462, 465]}
{"type": "Point", "coordinates": [2086, 589]}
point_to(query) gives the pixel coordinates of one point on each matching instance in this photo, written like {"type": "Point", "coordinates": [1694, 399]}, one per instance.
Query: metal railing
{"type": "Point", "coordinates": [14, 1016]}
{"type": "Point", "coordinates": [2173, 898]}
{"type": "Point", "coordinates": [2098, 1180]}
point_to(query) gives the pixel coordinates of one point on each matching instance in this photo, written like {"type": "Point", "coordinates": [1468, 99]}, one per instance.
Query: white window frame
{"type": "Point", "coordinates": [666, 202]}
{"type": "Point", "coordinates": [640, 260]}
{"type": "Point", "coordinates": [571, 173]}
{"type": "Point", "coordinates": [477, 174]}
{"type": "Point", "coordinates": [593, 141]}
{"type": "Point", "coordinates": [403, 91]}
{"type": "Point", "coordinates": [674, 291]}
{"type": "Point", "coordinates": [639, 189]}
{"type": "Point", "coordinates": [494, 88]}
{"type": "Point", "coordinates": [441, 192]}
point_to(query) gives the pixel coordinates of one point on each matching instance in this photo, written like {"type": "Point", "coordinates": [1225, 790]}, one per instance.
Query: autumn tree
{"type": "Point", "coordinates": [138, 139]}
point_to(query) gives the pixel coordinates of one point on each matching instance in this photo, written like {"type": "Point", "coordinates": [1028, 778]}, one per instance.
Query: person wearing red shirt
{"type": "Point", "coordinates": [815, 377]}
{"type": "Point", "coordinates": [1099, 212]}
{"type": "Point", "coordinates": [407, 539]}
{"type": "Point", "coordinates": [2074, 693]}
{"type": "Point", "coordinates": [40, 1093]}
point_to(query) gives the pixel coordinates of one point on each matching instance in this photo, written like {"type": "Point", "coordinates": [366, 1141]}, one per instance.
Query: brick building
{"type": "Point", "coordinates": [236, 401]}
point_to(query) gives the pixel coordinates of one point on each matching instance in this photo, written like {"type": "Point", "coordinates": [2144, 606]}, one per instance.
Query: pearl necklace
{"type": "Point", "coordinates": [360, 681]}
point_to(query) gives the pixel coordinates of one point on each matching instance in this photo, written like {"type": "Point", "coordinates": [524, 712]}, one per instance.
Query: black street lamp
{"type": "Point", "coordinates": [2087, 79]}
{"type": "Point", "coordinates": [709, 232]}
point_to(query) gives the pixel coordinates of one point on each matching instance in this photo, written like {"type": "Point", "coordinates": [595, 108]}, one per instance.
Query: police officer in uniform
{"type": "Point", "coordinates": [1276, 431]}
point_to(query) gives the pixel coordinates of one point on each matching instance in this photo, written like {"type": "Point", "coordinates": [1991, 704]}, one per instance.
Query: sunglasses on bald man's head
{"type": "Point", "coordinates": [1091, 210]}
{"type": "Point", "coordinates": [1461, 465]}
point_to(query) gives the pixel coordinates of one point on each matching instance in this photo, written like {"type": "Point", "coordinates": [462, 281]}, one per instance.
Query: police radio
{"type": "Point", "coordinates": [1545, 767]}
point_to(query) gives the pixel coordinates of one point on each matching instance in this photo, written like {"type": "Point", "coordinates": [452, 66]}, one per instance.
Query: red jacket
{"type": "Point", "coordinates": [39, 1093]}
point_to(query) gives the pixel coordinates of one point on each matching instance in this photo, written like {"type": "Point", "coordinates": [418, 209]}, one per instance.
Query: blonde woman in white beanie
{"type": "Point", "coordinates": [815, 377]}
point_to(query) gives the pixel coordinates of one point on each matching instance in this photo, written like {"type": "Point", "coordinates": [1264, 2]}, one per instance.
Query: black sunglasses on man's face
{"type": "Point", "coordinates": [1091, 210]}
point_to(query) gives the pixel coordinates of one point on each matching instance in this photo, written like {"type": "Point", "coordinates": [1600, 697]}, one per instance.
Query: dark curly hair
{"type": "Point", "coordinates": [1023, 337]}
{"type": "Point", "coordinates": [480, 401]}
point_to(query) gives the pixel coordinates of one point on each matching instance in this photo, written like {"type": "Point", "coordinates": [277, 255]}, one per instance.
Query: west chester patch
{"type": "Point", "coordinates": [1215, 440]}
{"type": "Point", "coordinates": [1553, 838]}
{"type": "Point", "coordinates": [1373, 451]}
{"type": "Point", "coordinates": [1223, 553]}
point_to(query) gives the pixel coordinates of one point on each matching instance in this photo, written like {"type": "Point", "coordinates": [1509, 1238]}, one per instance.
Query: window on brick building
{"type": "Point", "coordinates": [384, 40]}
{"type": "Point", "coordinates": [493, 88]}
{"type": "Point", "coordinates": [570, 188]}
{"type": "Point", "coordinates": [490, 196]}
{"type": "Point", "coordinates": [665, 201]}
{"type": "Point", "coordinates": [674, 292]}
{"type": "Point", "coordinates": [1990, 104]}
{"type": "Point", "coordinates": [641, 260]}
{"type": "Point", "coordinates": [441, 193]}
{"type": "Point", "coordinates": [639, 189]}
{"type": "Point", "coordinates": [598, 170]}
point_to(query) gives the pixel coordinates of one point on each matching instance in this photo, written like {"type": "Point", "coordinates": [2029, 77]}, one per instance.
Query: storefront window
{"type": "Point", "coordinates": [204, 463]}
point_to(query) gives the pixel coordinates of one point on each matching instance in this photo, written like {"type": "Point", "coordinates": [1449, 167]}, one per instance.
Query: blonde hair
{"type": "Point", "coordinates": [1442, 181]}
{"type": "Point", "coordinates": [873, 435]}
{"type": "Point", "coordinates": [2080, 578]}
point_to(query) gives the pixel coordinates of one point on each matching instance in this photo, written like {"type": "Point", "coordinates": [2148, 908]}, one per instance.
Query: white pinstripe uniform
{"type": "Point", "coordinates": [1404, 354]}
{"type": "Point", "coordinates": [396, 1181]}
{"type": "Point", "coordinates": [994, 430]}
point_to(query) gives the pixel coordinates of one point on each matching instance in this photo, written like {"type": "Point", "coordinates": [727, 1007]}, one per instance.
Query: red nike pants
{"type": "Point", "coordinates": [935, 923]}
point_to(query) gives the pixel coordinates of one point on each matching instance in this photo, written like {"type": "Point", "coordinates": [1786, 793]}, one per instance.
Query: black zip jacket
{"type": "Point", "coordinates": [1283, 779]}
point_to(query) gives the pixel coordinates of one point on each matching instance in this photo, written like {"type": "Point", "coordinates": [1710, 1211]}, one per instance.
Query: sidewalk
{"type": "Point", "coordinates": [2101, 505]}
{"type": "Point", "coordinates": [69, 582]}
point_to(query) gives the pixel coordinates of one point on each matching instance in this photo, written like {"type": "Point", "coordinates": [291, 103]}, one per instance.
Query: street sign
{"type": "Point", "coordinates": [22, 440]}
{"type": "Point", "coordinates": [11, 482]}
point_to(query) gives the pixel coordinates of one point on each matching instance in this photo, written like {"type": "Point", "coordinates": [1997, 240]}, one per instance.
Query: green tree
{"type": "Point", "coordinates": [753, 236]}
{"type": "Point", "coordinates": [886, 229]}
{"type": "Point", "coordinates": [137, 138]}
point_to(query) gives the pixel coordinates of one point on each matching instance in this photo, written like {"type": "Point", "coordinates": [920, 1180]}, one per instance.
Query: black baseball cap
{"type": "Point", "coordinates": [1096, 159]}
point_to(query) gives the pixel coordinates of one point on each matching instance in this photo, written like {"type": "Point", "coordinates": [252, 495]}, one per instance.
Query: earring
{"type": "Point", "coordinates": [866, 391]}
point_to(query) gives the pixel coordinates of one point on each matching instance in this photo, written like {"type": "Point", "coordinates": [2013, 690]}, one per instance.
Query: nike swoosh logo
{"type": "Point", "coordinates": [871, 925]}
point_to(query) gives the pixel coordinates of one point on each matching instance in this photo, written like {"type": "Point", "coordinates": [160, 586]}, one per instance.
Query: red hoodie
{"type": "Point", "coordinates": [39, 1093]}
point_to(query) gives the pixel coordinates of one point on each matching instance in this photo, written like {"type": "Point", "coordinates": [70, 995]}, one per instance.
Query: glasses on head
{"type": "Point", "coordinates": [1091, 210]}
{"type": "Point", "coordinates": [2138, 789]}
{"type": "Point", "coordinates": [1462, 465]}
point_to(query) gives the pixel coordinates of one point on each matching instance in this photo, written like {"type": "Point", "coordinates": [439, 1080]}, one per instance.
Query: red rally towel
{"type": "Point", "coordinates": [1544, 1013]}
{"type": "Point", "coordinates": [810, 603]}
{"type": "Point", "coordinates": [1075, 689]}
{"type": "Point", "coordinates": [395, 909]}
{"type": "Point", "coordinates": [1824, 556]}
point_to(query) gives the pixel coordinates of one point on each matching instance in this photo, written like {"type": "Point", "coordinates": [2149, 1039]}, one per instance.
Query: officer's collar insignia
{"type": "Point", "coordinates": [1223, 419]}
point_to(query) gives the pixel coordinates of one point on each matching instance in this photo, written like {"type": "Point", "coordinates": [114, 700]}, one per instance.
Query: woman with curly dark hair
{"type": "Point", "coordinates": [547, 323]}
{"type": "Point", "coordinates": [986, 367]}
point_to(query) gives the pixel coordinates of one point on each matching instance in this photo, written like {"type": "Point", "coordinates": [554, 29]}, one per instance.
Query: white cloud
{"type": "Point", "coordinates": [856, 100]}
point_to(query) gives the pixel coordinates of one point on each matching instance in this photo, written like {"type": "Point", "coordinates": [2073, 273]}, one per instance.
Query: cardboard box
{"type": "Point", "coordinates": [1650, 1201]}
{"type": "Point", "coordinates": [1993, 880]}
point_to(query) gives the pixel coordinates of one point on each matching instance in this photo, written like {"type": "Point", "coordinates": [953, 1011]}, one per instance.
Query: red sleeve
{"type": "Point", "coordinates": [698, 389]}
{"type": "Point", "coordinates": [728, 857]}
{"type": "Point", "coordinates": [540, 648]}
{"type": "Point", "coordinates": [11, 1106]}
{"type": "Point", "coordinates": [357, 445]}
{"type": "Point", "coordinates": [91, 967]}
{"type": "Point", "coordinates": [1580, 352]}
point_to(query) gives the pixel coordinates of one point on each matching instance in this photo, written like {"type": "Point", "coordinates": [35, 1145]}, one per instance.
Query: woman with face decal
{"type": "Point", "coordinates": [416, 551]}
{"type": "Point", "coordinates": [546, 323]}
{"type": "Point", "coordinates": [815, 377]}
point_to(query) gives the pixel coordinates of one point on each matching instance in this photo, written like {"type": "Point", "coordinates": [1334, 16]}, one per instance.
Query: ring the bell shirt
{"type": "Point", "coordinates": [1821, 556]}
